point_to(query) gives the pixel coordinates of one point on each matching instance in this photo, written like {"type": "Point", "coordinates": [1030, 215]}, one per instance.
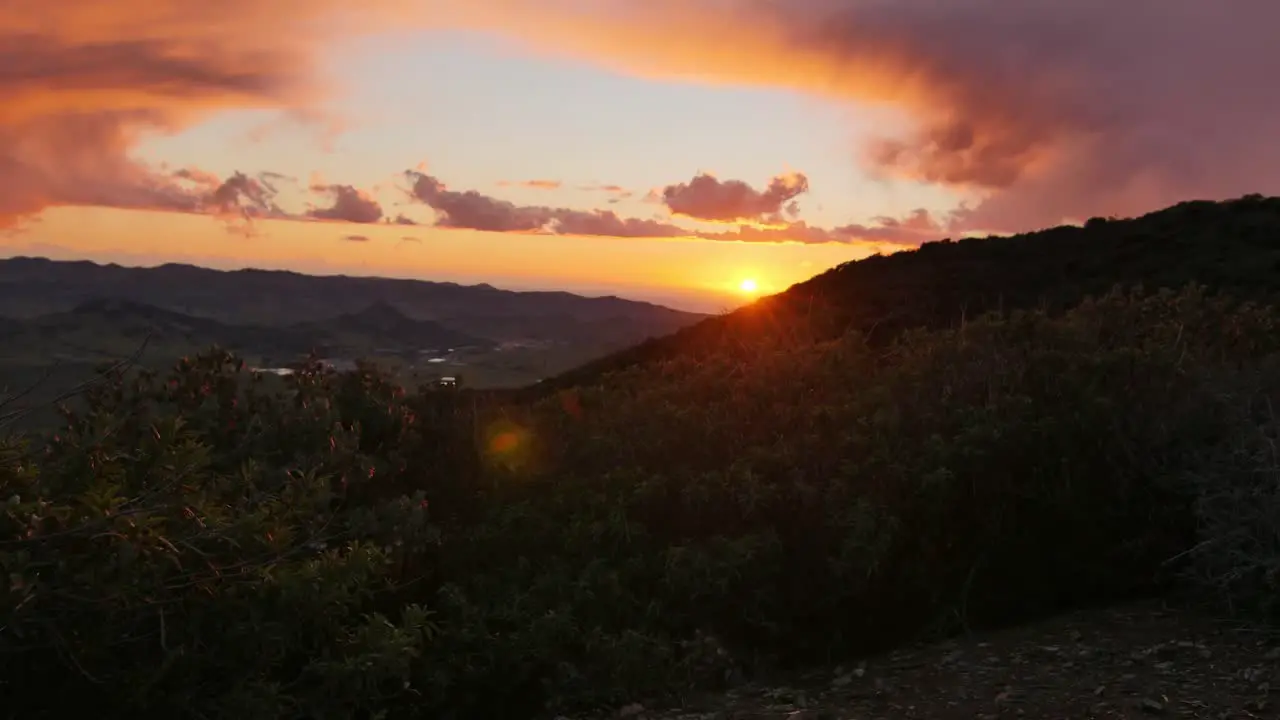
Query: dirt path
{"type": "Point", "coordinates": [1139, 661]}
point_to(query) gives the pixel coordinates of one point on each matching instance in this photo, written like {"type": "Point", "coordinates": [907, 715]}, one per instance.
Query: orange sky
{"type": "Point", "coordinates": [696, 274]}
{"type": "Point", "coordinates": [585, 145]}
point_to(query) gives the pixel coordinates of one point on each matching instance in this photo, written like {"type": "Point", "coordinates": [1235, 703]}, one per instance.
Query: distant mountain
{"type": "Point", "coordinates": [103, 329]}
{"type": "Point", "coordinates": [381, 325]}
{"type": "Point", "coordinates": [58, 320]}
{"type": "Point", "coordinates": [31, 287]}
{"type": "Point", "coordinates": [1231, 246]}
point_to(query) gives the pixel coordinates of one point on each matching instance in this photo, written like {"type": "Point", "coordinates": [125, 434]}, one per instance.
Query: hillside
{"type": "Point", "coordinates": [109, 329]}
{"type": "Point", "coordinates": [1027, 513]}
{"type": "Point", "coordinates": [201, 543]}
{"type": "Point", "coordinates": [31, 287]}
{"type": "Point", "coordinates": [60, 319]}
{"type": "Point", "coordinates": [1231, 246]}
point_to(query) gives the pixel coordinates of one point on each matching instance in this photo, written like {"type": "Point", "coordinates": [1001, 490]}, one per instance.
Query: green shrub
{"type": "Point", "coordinates": [206, 543]}
{"type": "Point", "coordinates": [1005, 469]}
{"type": "Point", "coordinates": [194, 546]}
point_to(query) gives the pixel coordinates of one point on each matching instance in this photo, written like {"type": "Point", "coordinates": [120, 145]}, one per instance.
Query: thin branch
{"type": "Point", "coordinates": [11, 416]}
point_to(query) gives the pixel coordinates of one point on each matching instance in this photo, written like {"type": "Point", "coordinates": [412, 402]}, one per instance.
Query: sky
{"type": "Point", "coordinates": [666, 150]}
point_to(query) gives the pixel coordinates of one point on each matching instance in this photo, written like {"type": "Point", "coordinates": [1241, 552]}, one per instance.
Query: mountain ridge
{"type": "Point", "coordinates": [1229, 245]}
{"type": "Point", "coordinates": [30, 287]}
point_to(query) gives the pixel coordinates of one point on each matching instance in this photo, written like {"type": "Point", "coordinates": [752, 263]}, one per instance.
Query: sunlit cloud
{"type": "Point", "coordinates": [84, 81]}
{"type": "Point", "coordinates": [347, 204]}
{"type": "Point", "coordinates": [1039, 110]}
{"type": "Point", "coordinates": [708, 198]}
{"type": "Point", "coordinates": [759, 213]}
{"type": "Point", "coordinates": [532, 184]}
{"type": "Point", "coordinates": [472, 210]}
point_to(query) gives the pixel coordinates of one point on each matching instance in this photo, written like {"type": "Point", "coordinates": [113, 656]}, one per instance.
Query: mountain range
{"type": "Point", "coordinates": [549, 341]}
{"type": "Point", "coordinates": [60, 319]}
{"type": "Point", "coordinates": [30, 287]}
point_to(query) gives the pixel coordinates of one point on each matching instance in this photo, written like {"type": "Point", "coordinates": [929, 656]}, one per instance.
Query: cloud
{"type": "Point", "coordinates": [533, 184]}
{"type": "Point", "coordinates": [472, 210]}
{"type": "Point", "coordinates": [84, 81]}
{"type": "Point", "coordinates": [918, 227]}
{"type": "Point", "coordinates": [348, 205]}
{"type": "Point", "coordinates": [1039, 109]}
{"type": "Point", "coordinates": [199, 178]}
{"type": "Point", "coordinates": [245, 197]}
{"type": "Point", "coordinates": [238, 200]}
{"type": "Point", "coordinates": [613, 189]}
{"type": "Point", "coordinates": [617, 193]}
{"type": "Point", "coordinates": [275, 179]}
{"type": "Point", "coordinates": [402, 219]}
{"type": "Point", "coordinates": [708, 198]}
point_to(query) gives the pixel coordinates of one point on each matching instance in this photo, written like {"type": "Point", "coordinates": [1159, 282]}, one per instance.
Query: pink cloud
{"type": "Point", "coordinates": [707, 198]}
{"type": "Point", "coordinates": [473, 210]}
{"type": "Point", "coordinates": [84, 82]}
{"type": "Point", "coordinates": [1042, 110]}
{"type": "Point", "coordinates": [532, 184]}
{"type": "Point", "coordinates": [347, 204]}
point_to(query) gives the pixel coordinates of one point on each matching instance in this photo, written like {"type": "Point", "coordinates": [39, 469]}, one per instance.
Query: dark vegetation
{"type": "Point", "coordinates": [79, 314]}
{"type": "Point", "coordinates": [1228, 246]}
{"type": "Point", "coordinates": [102, 328]}
{"type": "Point", "coordinates": [31, 287]}
{"type": "Point", "coordinates": [195, 543]}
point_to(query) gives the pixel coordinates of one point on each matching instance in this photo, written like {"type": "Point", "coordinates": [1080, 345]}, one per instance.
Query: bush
{"type": "Point", "coordinates": [1236, 562]}
{"type": "Point", "coordinates": [201, 547]}
{"type": "Point", "coordinates": [207, 544]}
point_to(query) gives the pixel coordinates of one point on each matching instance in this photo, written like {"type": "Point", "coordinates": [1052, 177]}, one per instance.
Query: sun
{"type": "Point", "coordinates": [749, 286]}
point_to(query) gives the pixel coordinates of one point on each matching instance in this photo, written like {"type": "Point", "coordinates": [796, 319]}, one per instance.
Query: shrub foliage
{"type": "Point", "coordinates": [209, 543]}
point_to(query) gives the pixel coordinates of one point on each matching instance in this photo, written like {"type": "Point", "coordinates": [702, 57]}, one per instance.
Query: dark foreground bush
{"type": "Point", "coordinates": [198, 545]}
{"type": "Point", "coordinates": [1236, 559]}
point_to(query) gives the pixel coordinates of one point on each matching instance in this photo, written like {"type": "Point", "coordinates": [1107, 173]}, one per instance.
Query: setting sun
{"type": "Point", "coordinates": [749, 286]}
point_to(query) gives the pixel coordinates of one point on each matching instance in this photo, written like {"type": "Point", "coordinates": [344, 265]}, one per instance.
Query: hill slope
{"type": "Point", "coordinates": [1231, 246]}
{"type": "Point", "coordinates": [31, 287]}
{"type": "Point", "coordinates": [108, 329]}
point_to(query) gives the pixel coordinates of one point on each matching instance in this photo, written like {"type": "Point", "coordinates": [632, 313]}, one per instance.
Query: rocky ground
{"type": "Point", "coordinates": [1140, 661]}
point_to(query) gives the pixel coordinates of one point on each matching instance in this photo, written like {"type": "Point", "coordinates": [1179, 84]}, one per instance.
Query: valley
{"type": "Point", "coordinates": [60, 320]}
{"type": "Point", "coordinates": [996, 477]}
